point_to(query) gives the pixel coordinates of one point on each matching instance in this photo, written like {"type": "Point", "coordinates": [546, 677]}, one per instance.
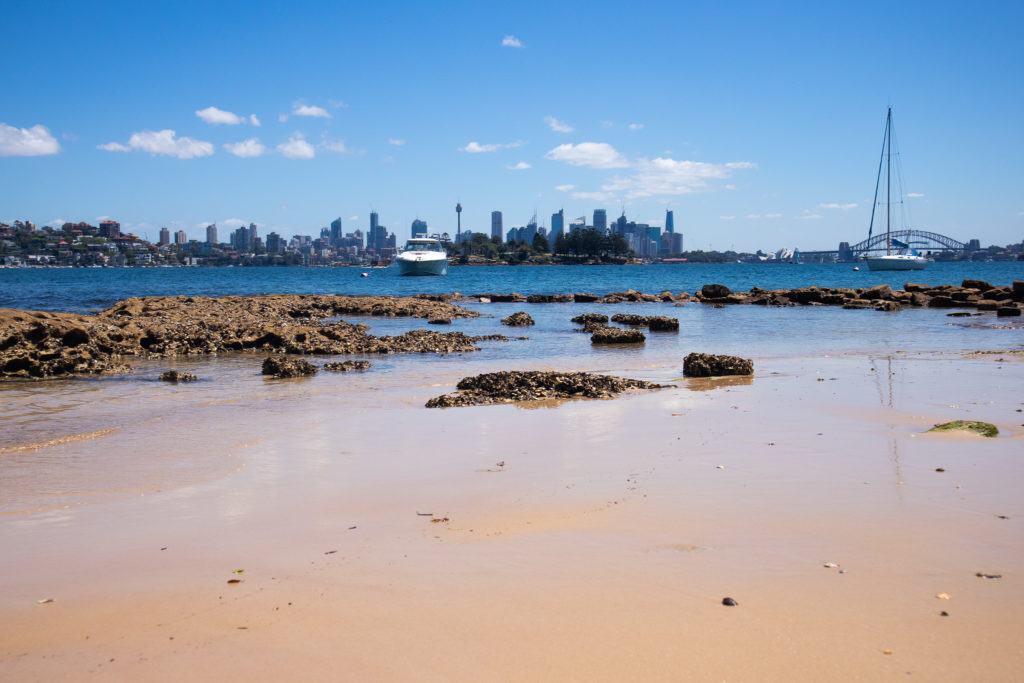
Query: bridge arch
{"type": "Point", "coordinates": [919, 239]}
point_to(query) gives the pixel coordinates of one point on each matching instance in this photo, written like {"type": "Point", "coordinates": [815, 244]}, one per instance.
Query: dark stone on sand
{"type": "Point", "coordinates": [708, 365]}
{"type": "Point", "coordinates": [729, 602]}
{"type": "Point", "coordinates": [584, 318]}
{"type": "Point", "coordinates": [515, 385]}
{"type": "Point", "coordinates": [281, 366]}
{"type": "Point", "coordinates": [347, 365]}
{"type": "Point", "coordinates": [518, 319]}
{"type": "Point", "coordinates": [615, 335]}
{"type": "Point", "coordinates": [175, 376]}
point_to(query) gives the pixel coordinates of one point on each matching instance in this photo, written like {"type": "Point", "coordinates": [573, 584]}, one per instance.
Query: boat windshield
{"type": "Point", "coordinates": [426, 245]}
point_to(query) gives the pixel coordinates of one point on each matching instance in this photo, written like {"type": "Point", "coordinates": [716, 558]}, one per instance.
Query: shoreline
{"type": "Point", "coordinates": [600, 550]}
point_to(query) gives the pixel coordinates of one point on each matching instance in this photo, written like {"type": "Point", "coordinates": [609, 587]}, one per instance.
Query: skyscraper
{"type": "Point", "coordinates": [600, 220]}
{"type": "Point", "coordinates": [496, 227]}
{"type": "Point", "coordinates": [373, 220]}
{"type": "Point", "coordinates": [557, 227]}
{"type": "Point", "coordinates": [165, 236]}
{"type": "Point", "coordinates": [670, 225]}
{"type": "Point", "coordinates": [211, 234]}
{"type": "Point", "coordinates": [335, 231]}
{"type": "Point", "coordinates": [419, 228]}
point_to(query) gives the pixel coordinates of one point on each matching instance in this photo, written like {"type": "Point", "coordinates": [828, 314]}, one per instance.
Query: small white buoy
{"type": "Point", "coordinates": [364, 275]}
{"type": "Point", "coordinates": [856, 267]}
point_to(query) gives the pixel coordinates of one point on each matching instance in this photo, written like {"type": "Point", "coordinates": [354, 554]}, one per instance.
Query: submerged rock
{"type": "Point", "coordinates": [519, 319]}
{"type": "Point", "coordinates": [175, 376]}
{"type": "Point", "coordinates": [983, 428]}
{"type": "Point", "coordinates": [516, 385]}
{"type": "Point", "coordinates": [347, 365]}
{"type": "Point", "coordinates": [280, 366]}
{"type": "Point", "coordinates": [707, 365]}
{"type": "Point", "coordinates": [584, 318]}
{"type": "Point", "coordinates": [662, 323]}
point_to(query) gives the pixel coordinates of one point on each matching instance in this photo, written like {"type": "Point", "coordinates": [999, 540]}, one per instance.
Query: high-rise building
{"type": "Point", "coordinates": [557, 227]}
{"type": "Point", "coordinates": [600, 220]}
{"type": "Point", "coordinates": [253, 237]}
{"type": "Point", "coordinates": [274, 244]}
{"type": "Point", "coordinates": [180, 238]}
{"type": "Point", "coordinates": [165, 236]}
{"type": "Point", "coordinates": [336, 231]}
{"type": "Point", "coordinates": [110, 229]}
{"type": "Point", "coordinates": [419, 228]}
{"type": "Point", "coordinates": [458, 213]}
{"type": "Point", "coordinates": [669, 222]}
{"type": "Point", "coordinates": [211, 235]}
{"type": "Point", "coordinates": [373, 221]}
{"type": "Point", "coordinates": [496, 228]}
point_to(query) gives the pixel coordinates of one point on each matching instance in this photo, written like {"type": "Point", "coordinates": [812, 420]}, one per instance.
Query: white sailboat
{"type": "Point", "coordinates": [906, 257]}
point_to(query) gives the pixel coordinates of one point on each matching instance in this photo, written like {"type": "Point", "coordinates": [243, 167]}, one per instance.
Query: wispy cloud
{"type": "Point", "coordinates": [915, 194]}
{"type": "Point", "coordinates": [773, 215]}
{"type": "Point", "coordinates": [477, 148]}
{"type": "Point", "coordinates": [215, 116]}
{"type": "Point", "coordinates": [841, 207]}
{"type": "Point", "coordinates": [336, 146]}
{"type": "Point", "coordinates": [810, 216]}
{"type": "Point", "coordinates": [607, 124]}
{"type": "Point", "coordinates": [521, 166]}
{"type": "Point", "coordinates": [565, 188]}
{"type": "Point", "coordinates": [254, 121]}
{"type": "Point", "coordinates": [27, 142]}
{"type": "Point", "coordinates": [309, 110]}
{"type": "Point", "coordinates": [752, 215]}
{"type": "Point", "coordinates": [727, 218]}
{"type": "Point", "coordinates": [296, 148]}
{"type": "Point", "coordinates": [663, 176]}
{"type": "Point", "coordinates": [162, 143]}
{"type": "Point", "coordinates": [511, 41]}
{"type": "Point", "coordinates": [397, 142]}
{"type": "Point", "coordinates": [590, 154]}
{"type": "Point", "coordinates": [558, 126]}
{"type": "Point", "coordinates": [636, 126]}
{"type": "Point", "coordinates": [593, 196]}
{"type": "Point", "coordinates": [246, 148]}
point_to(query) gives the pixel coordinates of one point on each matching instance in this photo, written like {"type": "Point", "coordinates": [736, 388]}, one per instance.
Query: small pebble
{"type": "Point", "coordinates": [886, 652]}
{"type": "Point", "coordinates": [842, 571]}
{"type": "Point", "coordinates": [830, 565]}
{"type": "Point", "coordinates": [943, 613]}
{"type": "Point", "coordinates": [940, 469]}
{"type": "Point", "coordinates": [943, 596]}
{"type": "Point", "coordinates": [729, 602]}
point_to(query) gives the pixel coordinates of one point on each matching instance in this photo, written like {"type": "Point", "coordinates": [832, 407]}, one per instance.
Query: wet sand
{"type": "Point", "coordinates": [382, 541]}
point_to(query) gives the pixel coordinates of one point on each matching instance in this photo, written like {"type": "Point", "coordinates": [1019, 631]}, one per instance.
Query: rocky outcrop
{"type": "Point", "coordinates": [655, 323]}
{"type": "Point", "coordinates": [439, 321]}
{"type": "Point", "coordinates": [41, 345]}
{"type": "Point", "coordinates": [347, 366]}
{"type": "Point", "coordinates": [282, 366]}
{"type": "Point", "coordinates": [584, 318]}
{"type": "Point", "coordinates": [616, 335]}
{"type": "Point", "coordinates": [518, 319]}
{"type": "Point", "coordinates": [707, 365]}
{"type": "Point", "coordinates": [513, 386]}
{"type": "Point", "coordinates": [174, 377]}
{"type": "Point", "coordinates": [629, 319]}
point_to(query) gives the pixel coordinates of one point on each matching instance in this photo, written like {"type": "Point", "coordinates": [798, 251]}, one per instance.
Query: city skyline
{"type": "Point", "coordinates": [758, 127]}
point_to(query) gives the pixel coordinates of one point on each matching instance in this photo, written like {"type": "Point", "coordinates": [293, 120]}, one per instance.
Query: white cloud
{"type": "Point", "coordinates": [254, 121]}
{"type": "Point", "coordinates": [558, 126]}
{"type": "Point", "coordinates": [636, 126]}
{"type": "Point", "coordinates": [307, 110]}
{"type": "Point", "coordinates": [565, 188]}
{"type": "Point", "coordinates": [663, 176]}
{"type": "Point", "coordinates": [353, 218]}
{"type": "Point", "coordinates": [841, 207]}
{"type": "Point", "coordinates": [27, 142]}
{"type": "Point", "coordinates": [773, 215]}
{"type": "Point", "coordinates": [593, 196]}
{"type": "Point", "coordinates": [592, 154]}
{"type": "Point", "coordinates": [231, 223]}
{"type": "Point", "coordinates": [915, 194]}
{"type": "Point", "coordinates": [521, 166]}
{"type": "Point", "coordinates": [215, 116]}
{"type": "Point", "coordinates": [296, 148]}
{"type": "Point", "coordinates": [810, 216]}
{"type": "Point", "coordinates": [397, 142]}
{"type": "Point", "coordinates": [511, 41]}
{"type": "Point", "coordinates": [114, 147]}
{"type": "Point", "coordinates": [727, 218]}
{"type": "Point", "coordinates": [162, 142]}
{"type": "Point", "coordinates": [477, 148]}
{"type": "Point", "coordinates": [247, 148]}
{"type": "Point", "coordinates": [336, 146]}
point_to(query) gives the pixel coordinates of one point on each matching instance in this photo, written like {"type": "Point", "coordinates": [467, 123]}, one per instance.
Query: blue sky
{"type": "Point", "coordinates": [759, 124]}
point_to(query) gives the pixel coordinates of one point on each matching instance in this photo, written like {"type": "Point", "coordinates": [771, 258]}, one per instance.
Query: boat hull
{"type": "Point", "coordinates": [415, 265]}
{"type": "Point", "coordinates": [897, 262]}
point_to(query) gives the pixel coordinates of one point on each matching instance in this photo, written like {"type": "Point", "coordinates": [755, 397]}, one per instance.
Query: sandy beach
{"type": "Point", "coordinates": [378, 540]}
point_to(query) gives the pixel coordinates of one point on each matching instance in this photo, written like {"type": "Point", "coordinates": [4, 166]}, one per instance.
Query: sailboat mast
{"type": "Point", "coordinates": [888, 181]}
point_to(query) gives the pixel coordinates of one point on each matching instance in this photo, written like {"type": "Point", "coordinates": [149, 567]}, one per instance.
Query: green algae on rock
{"type": "Point", "coordinates": [983, 428]}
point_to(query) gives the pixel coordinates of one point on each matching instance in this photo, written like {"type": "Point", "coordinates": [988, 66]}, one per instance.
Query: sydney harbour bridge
{"type": "Point", "coordinates": [924, 242]}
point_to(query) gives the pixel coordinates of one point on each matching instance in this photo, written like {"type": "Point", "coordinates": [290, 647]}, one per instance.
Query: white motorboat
{"type": "Point", "coordinates": [906, 258]}
{"type": "Point", "coordinates": [423, 256]}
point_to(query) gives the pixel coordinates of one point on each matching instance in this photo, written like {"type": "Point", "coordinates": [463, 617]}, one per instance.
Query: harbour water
{"type": "Point", "coordinates": [92, 289]}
